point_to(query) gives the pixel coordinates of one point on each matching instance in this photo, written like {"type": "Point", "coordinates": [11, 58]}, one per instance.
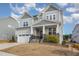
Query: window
{"type": "Point", "coordinates": [47, 17]}
{"type": "Point", "coordinates": [54, 17]}
{"type": "Point", "coordinates": [50, 17]}
{"type": "Point", "coordinates": [50, 31]}
{"type": "Point", "coordinates": [25, 24]}
{"type": "Point", "coordinates": [24, 35]}
{"type": "Point", "coordinates": [54, 30]}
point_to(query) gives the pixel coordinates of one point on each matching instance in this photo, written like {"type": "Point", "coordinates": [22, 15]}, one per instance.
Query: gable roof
{"type": "Point", "coordinates": [51, 7]}
{"type": "Point", "coordinates": [25, 15]}
{"type": "Point", "coordinates": [7, 18]}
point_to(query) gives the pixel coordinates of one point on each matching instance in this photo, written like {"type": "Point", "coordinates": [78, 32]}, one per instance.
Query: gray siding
{"type": "Point", "coordinates": [5, 31]}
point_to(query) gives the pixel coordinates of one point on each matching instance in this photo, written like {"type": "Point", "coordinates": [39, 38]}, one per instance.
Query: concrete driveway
{"type": "Point", "coordinates": [7, 45]}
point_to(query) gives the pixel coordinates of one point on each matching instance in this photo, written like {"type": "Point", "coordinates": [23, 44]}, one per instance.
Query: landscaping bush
{"type": "Point", "coordinates": [52, 38]}
{"type": "Point", "coordinates": [64, 42]}
{"type": "Point", "coordinates": [76, 46]}
{"type": "Point", "coordinates": [13, 39]}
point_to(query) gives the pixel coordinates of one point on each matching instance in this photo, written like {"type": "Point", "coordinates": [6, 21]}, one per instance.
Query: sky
{"type": "Point", "coordinates": [70, 12]}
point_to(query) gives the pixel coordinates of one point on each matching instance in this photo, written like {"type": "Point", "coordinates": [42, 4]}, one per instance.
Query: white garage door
{"type": "Point", "coordinates": [23, 38]}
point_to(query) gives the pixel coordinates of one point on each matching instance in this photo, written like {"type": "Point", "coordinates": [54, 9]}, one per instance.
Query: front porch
{"type": "Point", "coordinates": [45, 27]}
{"type": "Point", "coordinates": [41, 31]}
{"type": "Point", "coordinates": [51, 29]}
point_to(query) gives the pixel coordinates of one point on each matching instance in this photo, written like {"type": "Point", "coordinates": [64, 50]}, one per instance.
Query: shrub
{"type": "Point", "coordinates": [13, 39]}
{"type": "Point", "coordinates": [64, 42]}
{"type": "Point", "coordinates": [52, 38]}
{"type": "Point", "coordinates": [76, 46]}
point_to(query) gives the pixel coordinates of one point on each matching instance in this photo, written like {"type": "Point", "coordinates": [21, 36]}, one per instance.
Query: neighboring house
{"type": "Point", "coordinates": [7, 27]}
{"type": "Point", "coordinates": [75, 34]}
{"type": "Point", "coordinates": [49, 21]}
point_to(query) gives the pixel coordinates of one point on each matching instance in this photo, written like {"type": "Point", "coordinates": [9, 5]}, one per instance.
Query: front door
{"type": "Point", "coordinates": [41, 34]}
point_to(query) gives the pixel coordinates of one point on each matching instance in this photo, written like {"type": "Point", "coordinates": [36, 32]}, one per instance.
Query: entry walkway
{"type": "Point", "coordinates": [6, 54]}
{"type": "Point", "coordinates": [7, 45]}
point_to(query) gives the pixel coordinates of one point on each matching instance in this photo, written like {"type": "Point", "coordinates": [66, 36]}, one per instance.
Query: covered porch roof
{"type": "Point", "coordinates": [44, 22]}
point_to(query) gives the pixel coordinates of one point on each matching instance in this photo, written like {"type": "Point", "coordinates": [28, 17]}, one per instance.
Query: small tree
{"type": "Point", "coordinates": [66, 36]}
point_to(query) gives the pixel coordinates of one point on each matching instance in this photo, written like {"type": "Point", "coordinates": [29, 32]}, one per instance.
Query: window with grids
{"type": "Point", "coordinates": [25, 24]}
{"type": "Point", "coordinates": [54, 30]}
{"type": "Point", "coordinates": [47, 17]}
{"type": "Point", "coordinates": [50, 17]}
{"type": "Point", "coordinates": [50, 31]}
{"type": "Point", "coordinates": [53, 17]}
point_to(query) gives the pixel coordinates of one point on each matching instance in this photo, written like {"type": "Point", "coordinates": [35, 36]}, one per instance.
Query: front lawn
{"type": "Point", "coordinates": [36, 49]}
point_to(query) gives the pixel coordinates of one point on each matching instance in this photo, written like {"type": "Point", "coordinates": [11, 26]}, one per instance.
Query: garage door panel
{"type": "Point", "coordinates": [23, 39]}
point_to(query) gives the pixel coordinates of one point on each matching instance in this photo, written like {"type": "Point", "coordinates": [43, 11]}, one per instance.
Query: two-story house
{"type": "Point", "coordinates": [75, 34]}
{"type": "Point", "coordinates": [49, 21]}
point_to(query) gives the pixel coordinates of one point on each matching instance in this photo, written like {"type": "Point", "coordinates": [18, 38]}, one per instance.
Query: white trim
{"type": "Point", "coordinates": [57, 29]}
{"type": "Point", "coordinates": [23, 15]}
{"type": "Point", "coordinates": [43, 20]}
{"type": "Point", "coordinates": [43, 29]}
{"type": "Point", "coordinates": [31, 30]}
{"type": "Point", "coordinates": [43, 25]}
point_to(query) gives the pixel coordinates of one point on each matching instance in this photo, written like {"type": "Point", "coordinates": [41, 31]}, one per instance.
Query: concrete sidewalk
{"type": "Point", "coordinates": [6, 54]}
{"type": "Point", "coordinates": [7, 45]}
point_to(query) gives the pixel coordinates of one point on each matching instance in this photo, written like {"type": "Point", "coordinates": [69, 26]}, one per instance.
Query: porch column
{"type": "Point", "coordinates": [43, 29]}
{"type": "Point", "coordinates": [61, 28]}
{"type": "Point", "coordinates": [61, 35]}
{"type": "Point", "coordinates": [57, 29]}
{"type": "Point", "coordinates": [31, 30]}
{"type": "Point", "coordinates": [43, 32]}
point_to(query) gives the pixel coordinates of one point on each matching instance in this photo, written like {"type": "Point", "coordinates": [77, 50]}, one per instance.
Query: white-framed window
{"type": "Point", "coordinates": [47, 17]}
{"type": "Point", "coordinates": [54, 31]}
{"type": "Point", "coordinates": [53, 17]}
{"type": "Point", "coordinates": [50, 31]}
{"type": "Point", "coordinates": [25, 24]}
{"type": "Point", "coordinates": [50, 17]}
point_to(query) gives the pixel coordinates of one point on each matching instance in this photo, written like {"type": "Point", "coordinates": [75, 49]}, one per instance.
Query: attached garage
{"type": "Point", "coordinates": [23, 34]}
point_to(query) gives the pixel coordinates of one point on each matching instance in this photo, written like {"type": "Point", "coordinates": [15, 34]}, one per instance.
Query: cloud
{"type": "Point", "coordinates": [71, 18]}
{"type": "Point", "coordinates": [14, 15]}
{"type": "Point", "coordinates": [67, 19]}
{"type": "Point", "coordinates": [21, 10]}
{"type": "Point", "coordinates": [29, 5]}
{"type": "Point", "coordinates": [39, 9]}
{"type": "Point", "coordinates": [76, 5]}
{"type": "Point", "coordinates": [75, 16]}
{"type": "Point", "coordinates": [62, 4]}
{"type": "Point", "coordinates": [72, 9]}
